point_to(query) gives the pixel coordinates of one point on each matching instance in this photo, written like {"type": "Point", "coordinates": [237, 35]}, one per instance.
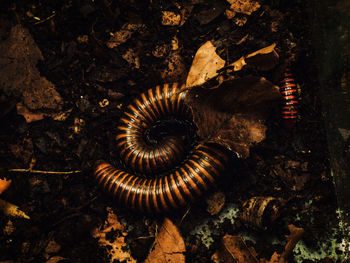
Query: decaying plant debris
{"type": "Point", "coordinates": [68, 71]}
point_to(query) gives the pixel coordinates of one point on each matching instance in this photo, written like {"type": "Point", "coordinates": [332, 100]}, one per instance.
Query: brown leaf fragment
{"type": "Point", "coordinates": [263, 59]}
{"type": "Point", "coordinates": [174, 68]}
{"type": "Point", "coordinates": [234, 250]}
{"type": "Point", "coordinates": [215, 203]}
{"type": "Point", "coordinates": [169, 245]}
{"type": "Point", "coordinates": [132, 58]}
{"type": "Point", "coordinates": [243, 6]}
{"type": "Point", "coordinates": [116, 247]}
{"type": "Point", "coordinates": [293, 238]}
{"type": "Point", "coordinates": [9, 228]}
{"type": "Point", "coordinates": [19, 75]}
{"type": "Point", "coordinates": [230, 14]}
{"type": "Point", "coordinates": [170, 18]}
{"type": "Point", "coordinates": [234, 114]}
{"type": "Point", "coordinates": [205, 65]}
{"type": "Point", "coordinates": [33, 115]}
{"type": "Point", "coordinates": [239, 133]}
{"type": "Point", "coordinates": [124, 34]}
{"type": "Point", "coordinates": [12, 210]}
{"type": "Point", "coordinates": [4, 184]}
{"type": "Point", "coordinates": [238, 64]}
{"type": "Point", "coordinates": [28, 115]}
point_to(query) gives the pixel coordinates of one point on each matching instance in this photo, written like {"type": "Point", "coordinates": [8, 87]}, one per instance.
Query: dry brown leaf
{"type": "Point", "coordinates": [19, 75]}
{"type": "Point", "coordinates": [117, 249]}
{"type": "Point", "coordinates": [230, 14]}
{"type": "Point", "coordinates": [263, 59]}
{"type": "Point", "coordinates": [170, 18]}
{"type": "Point", "coordinates": [124, 34]}
{"type": "Point", "coordinates": [52, 247]}
{"type": "Point", "coordinates": [4, 184]}
{"type": "Point", "coordinates": [28, 115]}
{"type": "Point", "coordinates": [205, 65]}
{"type": "Point", "coordinates": [132, 58]}
{"type": "Point", "coordinates": [169, 245]}
{"type": "Point", "coordinates": [234, 114]}
{"type": "Point", "coordinates": [174, 68]}
{"type": "Point", "coordinates": [243, 6]}
{"type": "Point", "coordinates": [31, 116]}
{"type": "Point", "coordinates": [215, 203]}
{"type": "Point", "coordinates": [234, 250]}
{"type": "Point", "coordinates": [12, 210]}
{"type": "Point", "coordinates": [9, 228]}
{"type": "Point", "coordinates": [238, 64]}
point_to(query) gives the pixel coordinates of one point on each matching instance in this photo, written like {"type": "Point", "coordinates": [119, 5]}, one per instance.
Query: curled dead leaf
{"type": "Point", "coordinates": [169, 245]}
{"type": "Point", "coordinates": [205, 65]}
{"type": "Point", "coordinates": [234, 114]}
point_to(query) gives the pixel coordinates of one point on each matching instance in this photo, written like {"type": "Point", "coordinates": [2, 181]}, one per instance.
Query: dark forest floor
{"type": "Point", "coordinates": [96, 77]}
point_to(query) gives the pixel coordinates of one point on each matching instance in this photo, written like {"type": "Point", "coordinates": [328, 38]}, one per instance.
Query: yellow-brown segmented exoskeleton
{"type": "Point", "coordinates": [180, 185]}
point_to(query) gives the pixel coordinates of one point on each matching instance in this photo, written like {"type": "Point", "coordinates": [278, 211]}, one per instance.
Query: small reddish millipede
{"type": "Point", "coordinates": [180, 185]}
{"type": "Point", "coordinates": [290, 102]}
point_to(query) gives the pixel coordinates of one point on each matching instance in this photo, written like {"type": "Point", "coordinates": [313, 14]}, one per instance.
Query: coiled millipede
{"type": "Point", "coordinates": [290, 102]}
{"type": "Point", "coordinates": [181, 184]}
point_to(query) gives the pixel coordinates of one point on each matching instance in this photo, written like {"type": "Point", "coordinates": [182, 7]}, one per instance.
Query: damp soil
{"type": "Point", "coordinates": [291, 165]}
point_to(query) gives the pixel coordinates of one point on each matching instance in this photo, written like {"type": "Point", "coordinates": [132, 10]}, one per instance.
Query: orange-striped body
{"type": "Point", "coordinates": [180, 186]}
{"type": "Point", "coordinates": [290, 102]}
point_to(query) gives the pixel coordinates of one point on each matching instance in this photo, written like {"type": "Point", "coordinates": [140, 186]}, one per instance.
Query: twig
{"type": "Point", "coordinates": [183, 217]}
{"type": "Point", "coordinates": [46, 19]}
{"type": "Point", "coordinates": [43, 172]}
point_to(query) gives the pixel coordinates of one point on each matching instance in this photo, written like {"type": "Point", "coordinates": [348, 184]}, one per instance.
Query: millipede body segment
{"type": "Point", "coordinates": [186, 178]}
{"type": "Point", "coordinates": [290, 103]}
